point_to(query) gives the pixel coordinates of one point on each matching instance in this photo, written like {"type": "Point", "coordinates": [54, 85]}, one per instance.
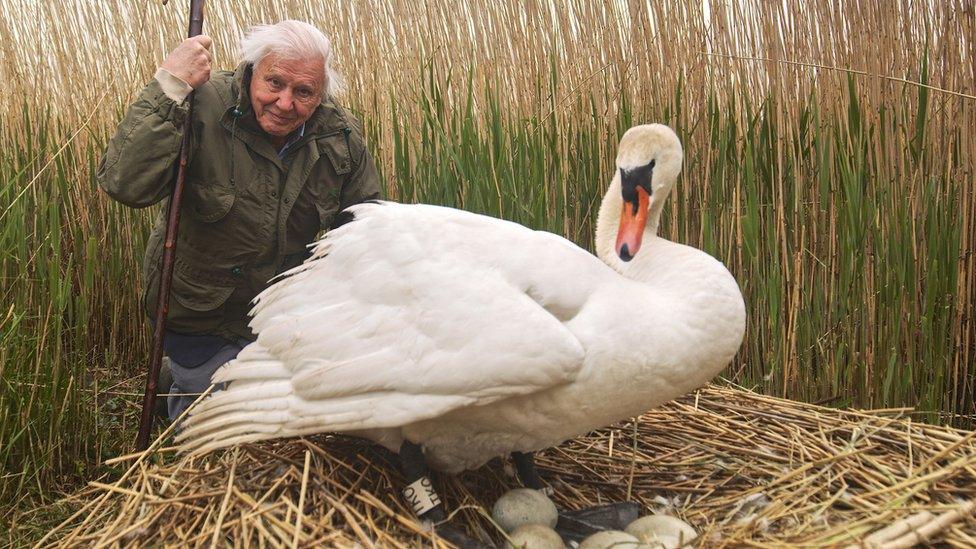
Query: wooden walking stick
{"type": "Point", "coordinates": [169, 253]}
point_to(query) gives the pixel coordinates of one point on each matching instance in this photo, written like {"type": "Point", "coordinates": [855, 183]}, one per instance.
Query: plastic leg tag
{"type": "Point", "coordinates": [421, 496]}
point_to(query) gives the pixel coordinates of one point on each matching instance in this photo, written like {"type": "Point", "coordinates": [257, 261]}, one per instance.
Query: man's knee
{"type": "Point", "coordinates": [190, 383]}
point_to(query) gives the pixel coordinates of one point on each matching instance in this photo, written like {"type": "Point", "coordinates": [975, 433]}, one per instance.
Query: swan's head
{"type": "Point", "coordinates": [648, 163]}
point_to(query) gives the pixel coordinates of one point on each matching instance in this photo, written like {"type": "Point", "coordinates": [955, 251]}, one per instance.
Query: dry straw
{"type": "Point", "coordinates": [744, 469]}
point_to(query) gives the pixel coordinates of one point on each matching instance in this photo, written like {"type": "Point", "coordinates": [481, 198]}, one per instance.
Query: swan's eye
{"type": "Point", "coordinates": [647, 184]}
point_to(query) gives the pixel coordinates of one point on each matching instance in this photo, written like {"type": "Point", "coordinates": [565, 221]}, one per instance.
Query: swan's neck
{"type": "Point", "coordinates": [608, 223]}
{"type": "Point", "coordinates": [696, 293]}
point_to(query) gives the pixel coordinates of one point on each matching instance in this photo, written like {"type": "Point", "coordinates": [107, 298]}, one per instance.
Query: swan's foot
{"type": "Point", "coordinates": [425, 502]}
{"type": "Point", "coordinates": [578, 525]}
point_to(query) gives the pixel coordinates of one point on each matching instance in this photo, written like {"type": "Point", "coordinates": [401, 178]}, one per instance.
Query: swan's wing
{"type": "Point", "coordinates": [402, 315]}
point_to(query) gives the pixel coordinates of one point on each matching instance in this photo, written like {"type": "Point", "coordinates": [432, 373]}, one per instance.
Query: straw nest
{"type": "Point", "coordinates": [743, 468]}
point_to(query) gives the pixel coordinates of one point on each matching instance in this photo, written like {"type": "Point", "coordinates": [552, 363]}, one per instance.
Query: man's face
{"type": "Point", "coordinates": [285, 92]}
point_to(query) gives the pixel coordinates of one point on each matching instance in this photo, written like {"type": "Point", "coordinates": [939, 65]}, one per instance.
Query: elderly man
{"type": "Point", "coordinates": [273, 160]}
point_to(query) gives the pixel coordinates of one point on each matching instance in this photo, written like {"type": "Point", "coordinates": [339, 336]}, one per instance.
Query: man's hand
{"type": "Point", "coordinates": [190, 61]}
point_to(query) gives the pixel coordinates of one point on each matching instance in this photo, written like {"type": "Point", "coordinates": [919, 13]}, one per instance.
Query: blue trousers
{"type": "Point", "coordinates": [192, 376]}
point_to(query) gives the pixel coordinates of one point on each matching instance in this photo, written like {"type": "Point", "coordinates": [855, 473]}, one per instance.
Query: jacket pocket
{"type": "Point", "coordinates": [336, 147]}
{"type": "Point", "coordinates": [196, 304]}
{"type": "Point", "coordinates": [199, 290]}
{"type": "Point", "coordinates": [208, 201]}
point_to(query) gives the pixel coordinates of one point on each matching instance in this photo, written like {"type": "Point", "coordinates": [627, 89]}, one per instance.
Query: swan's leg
{"type": "Point", "coordinates": [577, 525]}
{"type": "Point", "coordinates": [424, 501]}
{"type": "Point", "coordinates": [525, 466]}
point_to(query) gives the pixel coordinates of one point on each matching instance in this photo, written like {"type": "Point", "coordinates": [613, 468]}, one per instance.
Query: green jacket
{"type": "Point", "coordinates": [246, 215]}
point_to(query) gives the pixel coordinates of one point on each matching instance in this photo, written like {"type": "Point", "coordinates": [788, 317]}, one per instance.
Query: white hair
{"type": "Point", "coordinates": [291, 40]}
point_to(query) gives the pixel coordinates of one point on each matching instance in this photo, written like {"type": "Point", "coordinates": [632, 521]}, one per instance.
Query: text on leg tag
{"type": "Point", "coordinates": [421, 496]}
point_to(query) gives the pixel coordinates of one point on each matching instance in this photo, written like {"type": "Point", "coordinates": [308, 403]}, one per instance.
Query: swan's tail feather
{"type": "Point", "coordinates": [254, 351]}
{"type": "Point", "coordinates": [226, 428]}
{"type": "Point", "coordinates": [239, 426]}
{"type": "Point", "coordinates": [251, 370]}
{"type": "Point", "coordinates": [207, 413]}
{"type": "Point", "coordinates": [248, 433]}
{"type": "Point", "coordinates": [201, 448]}
{"type": "Point", "coordinates": [245, 428]}
{"type": "Point", "coordinates": [259, 408]}
{"type": "Point", "coordinates": [246, 394]}
{"type": "Point", "coordinates": [214, 427]}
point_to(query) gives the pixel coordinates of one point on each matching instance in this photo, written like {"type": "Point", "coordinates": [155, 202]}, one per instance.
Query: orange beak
{"type": "Point", "coordinates": [633, 218]}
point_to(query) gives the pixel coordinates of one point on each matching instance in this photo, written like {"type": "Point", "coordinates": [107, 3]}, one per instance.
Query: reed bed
{"type": "Point", "coordinates": [743, 468]}
{"type": "Point", "coordinates": [829, 163]}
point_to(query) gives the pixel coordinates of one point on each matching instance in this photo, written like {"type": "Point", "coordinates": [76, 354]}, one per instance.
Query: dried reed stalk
{"type": "Point", "coordinates": [743, 468]}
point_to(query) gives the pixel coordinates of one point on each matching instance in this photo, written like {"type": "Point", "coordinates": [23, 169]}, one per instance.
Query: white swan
{"type": "Point", "coordinates": [475, 337]}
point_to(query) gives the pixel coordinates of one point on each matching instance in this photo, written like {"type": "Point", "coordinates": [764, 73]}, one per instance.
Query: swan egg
{"type": "Point", "coordinates": [535, 536]}
{"type": "Point", "coordinates": [610, 538]}
{"type": "Point", "coordinates": [662, 530]}
{"type": "Point", "coordinates": [523, 506]}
